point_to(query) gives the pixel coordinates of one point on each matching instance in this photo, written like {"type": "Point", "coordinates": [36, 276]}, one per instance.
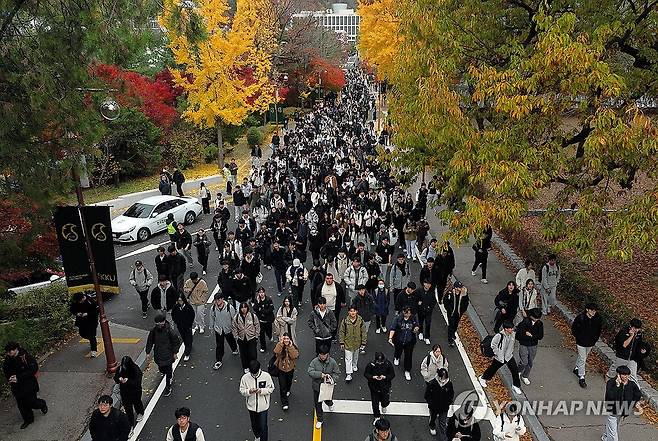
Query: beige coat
{"type": "Point", "coordinates": [200, 294]}
{"type": "Point", "coordinates": [282, 320]}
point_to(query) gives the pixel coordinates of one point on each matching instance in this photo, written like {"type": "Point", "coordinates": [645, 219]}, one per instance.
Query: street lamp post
{"type": "Point", "coordinates": [276, 103]}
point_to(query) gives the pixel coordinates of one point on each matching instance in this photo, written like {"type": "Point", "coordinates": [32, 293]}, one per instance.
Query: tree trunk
{"type": "Point", "coordinates": [220, 146]}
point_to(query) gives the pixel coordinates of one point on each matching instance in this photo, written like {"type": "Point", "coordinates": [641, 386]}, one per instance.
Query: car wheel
{"type": "Point", "coordinates": [190, 217]}
{"type": "Point", "coordinates": [143, 234]}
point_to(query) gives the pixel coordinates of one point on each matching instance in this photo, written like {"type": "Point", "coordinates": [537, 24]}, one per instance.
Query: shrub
{"type": "Point", "coordinates": [254, 136]}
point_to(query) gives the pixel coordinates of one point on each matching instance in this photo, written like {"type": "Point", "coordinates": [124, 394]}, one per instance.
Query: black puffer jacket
{"type": "Point", "coordinates": [164, 342]}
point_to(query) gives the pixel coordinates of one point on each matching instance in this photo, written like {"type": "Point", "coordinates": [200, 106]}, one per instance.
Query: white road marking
{"type": "Point", "coordinates": [212, 294]}
{"type": "Point", "coordinates": [142, 250]}
{"type": "Point", "coordinates": [396, 408]}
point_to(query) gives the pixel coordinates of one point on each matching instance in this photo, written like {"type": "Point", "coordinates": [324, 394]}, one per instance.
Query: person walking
{"type": "Point", "coordinates": [456, 303]}
{"type": "Point", "coordinates": [334, 297]}
{"type": "Point", "coordinates": [502, 345]}
{"type": "Point", "coordinates": [182, 315]}
{"type": "Point", "coordinates": [507, 305]}
{"type": "Point", "coordinates": [177, 266]}
{"type": "Point", "coordinates": [322, 369]}
{"type": "Point", "coordinates": [550, 278]}
{"type": "Point", "coordinates": [432, 363]}
{"type": "Point", "coordinates": [410, 229]}
{"type": "Point", "coordinates": [528, 333]}
{"type": "Point", "coordinates": [629, 348]}
{"type": "Point", "coordinates": [382, 431]}
{"type": "Point", "coordinates": [204, 196]}
{"type": "Point", "coordinates": [402, 336]}
{"type": "Point", "coordinates": [264, 309]}
{"type": "Point", "coordinates": [481, 249]}
{"type": "Point", "coordinates": [286, 353]}
{"type": "Point", "coordinates": [108, 423]}
{"type": "Point", "coordinates": [164, 343]}
{"type": "Point", "coordinates": [426, 302]}
{"type": "Point", "coordinates": [510, 425]}
{"type": "Point", "coordinates": [526, 273]}
{"type": "Point", "coordinates": [586, 329]}
{"type": "Point", "coordinates": [161, 261]}
{"type": "Point", "coordinates": [354, 276]}
{"type": "Point", "coordinates": [246, 330]}
{"type": "Point", "coordinates": [178, 179]}
{"type": "Point", "coordinates": [183, 240]}
{"type": "Point", "coordinates": [286, 320]}
{"type": "Point", "coordinates": [163, 296]}
{"type": "Point", "coordinates": [297, 275]}
{"type": "Point", "coordinates": [164, 185]}
{"type": "Point", "coordinates": [171, 228]}
{"type": "Point", "coordinates": [129, 378]}
{"type": "Point", "coordinates": [184, 429]}
{"type": "Point", "coordinates": [382, 301]}
{"type": "Point", "coordinates": [202, 245]}
{"type": "Point", "coordinates": [400, 275]}
{"type": "Point", "coordinates": [439, 395]}
{"type": "Point", "coordinates": [463, 425]}
{"type": "Point", "coordinates": [352, 336]}
{"type": "Point", "coordinates": [529, 298]}
{"type": "Point", "coordinates": [380, 374]}
{"type": "Point", "coordinates": [20, 370]}
{"type": "Point", "coordinates": [142, 279]}
{"type": "Point", "coordinates": [85, 310]}
{"type": "Point", "coordinates": [323, 324]}
{"type": "Point", "coordinates": [196, 291]}
{"type": "Point", "coordinates": [221, 322]}
{"type": "Point", "coordinates": [621, 396]}
{"type": "Point", "coordinates": [365, 306]}
{"type": "Point", "coordinates": [257, 386]}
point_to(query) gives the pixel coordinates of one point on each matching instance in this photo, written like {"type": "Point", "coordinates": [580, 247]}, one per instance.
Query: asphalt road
{"type": "Point", "coordinates": [213, 395]}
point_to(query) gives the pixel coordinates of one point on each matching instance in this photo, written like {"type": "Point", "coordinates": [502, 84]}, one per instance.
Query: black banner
{"type": "Point", "coordinates": [73, 249]}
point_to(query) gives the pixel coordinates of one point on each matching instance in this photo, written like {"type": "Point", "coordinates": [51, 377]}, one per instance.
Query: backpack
{"type": "Point", "coordinates": [272, 368]}
{"type": "Point", "coordinates": [502, 421]}
{"type": "Point", "coordinates": [485, 346]}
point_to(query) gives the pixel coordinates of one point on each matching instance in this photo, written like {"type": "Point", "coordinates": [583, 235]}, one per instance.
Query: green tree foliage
{"type": "Point", "coordinates": [506, 98]}
{"type": "Point", "coordinates": [254, 136]}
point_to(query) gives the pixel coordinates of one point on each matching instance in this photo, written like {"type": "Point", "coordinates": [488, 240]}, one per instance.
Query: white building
{"type": "Point", "coordinates": [339, 18]}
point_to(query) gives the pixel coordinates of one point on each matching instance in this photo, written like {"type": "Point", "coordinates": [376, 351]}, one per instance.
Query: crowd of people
{"type": "Point", "coordinates": [325, 218]}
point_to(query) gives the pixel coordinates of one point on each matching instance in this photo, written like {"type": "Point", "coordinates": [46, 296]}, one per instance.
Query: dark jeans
{"type": "Point", "coordinates": [220, 238]}
{"type": "Point", "coordinates": [443, 422]}
{"type": "Point", "coordinates": [265, 331]}
{"type": "Point", "coordinates": [380, 321]}
{"type": "Point", "coordinates": [203, 261]}
{"type": "Point", "coordinates": [320, 342]}
{"type": "Point", "coordinates": [205, 203]}
{"type": "Point", "coordinates": [318, 406]}
{"type": "Point", "coordinates": [28, 402]}
{"type": "Point", "coordinates": [247, 351]}
{"type": "Point", "coordinates": [144, 297]}
{"type": "Point", "coordinates": [187, 337]}
{"type": "Point", "coordinates": [425, 322]}
{"type": "Point", "coordinates": [453, 323]}
{"type": "Point", "coordinates": [219, 341]}
{"type": "Point", "coordinates": [481, 259]}
{"type": "Point", "coordinates": [259, 424]}
{"type": "Point", "coordinates": [408, 350]}
{"type": "Point", "coordinates": [285, 383]}
{"type": "Point", "coordinates": [93, 343]}
{"type": "Point", "coordinates": [132, 407]}
{"type": "Point", "coordinates": [167, 371]}
{"type": "Point", "coordinates": [280, 277]}
{"type": "Point", "coordinates": [378, 398]}
{"type": "Point", "coordinates": [179, 189]}
{"type": "Point", "coordinates": [495, 365]}
{"type": "Point", "coordinates": [297, 294]}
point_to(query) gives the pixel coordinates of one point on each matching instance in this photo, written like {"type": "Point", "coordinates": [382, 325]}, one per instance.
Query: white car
{"type": "Point", "coordinates": [149, 216]}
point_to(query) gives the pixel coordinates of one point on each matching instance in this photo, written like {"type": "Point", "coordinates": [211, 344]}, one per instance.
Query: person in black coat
{"type": "Point", "coordinates": [507, 304]}
{"type": "Point", "coordinates": [163, 296]}
{"type": "Point", "coordinates": [621, 396]}
{"type": "Point", "coordinates": [20, 370]}
{"type": "Point", "coordinates": [528, 334]}
{"type": "Point", "coordinates": [241, 286]}
{"type": "Point", "coordinates": [164, 342]}
{"type": "Point", "coordinates": [183, 316]}
{"type": "Point", "coordinates": [161, 262]}
{"type": "Point", "coordinates": [380, 374]}
{"type": "Point", "coordinates": [427, 302]}
{"type": "Point", "coordinates": [177, 266]}
{"type": "Point", "coordinates": [85, 310]}
{"type": "Point", "coordinates": [409, 298]}
{"type": "Point", "coordinates": [439, 395]}
{"type": "Point", "coordinates": [129, 379]}
{"type": "Point", "coordinates": [462, 424]}
{"type": "Point", "coordinates": [586, 329]}
{"type": "Point", "coordinates": [108, 423]}
{"type": "Point", "coordinates": [263, 307]}
{"type": "Point", "coordinates": [178, 179]}
{"type": "Point", "coordinates": [456, 303]}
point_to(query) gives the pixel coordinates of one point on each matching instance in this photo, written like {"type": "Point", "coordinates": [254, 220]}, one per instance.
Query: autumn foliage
{"type": "Point", "coordinates": [332, 76]}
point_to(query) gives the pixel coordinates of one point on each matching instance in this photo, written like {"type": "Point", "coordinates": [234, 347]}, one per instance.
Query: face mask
{"type": "Point", "coordinates": [381, 286]}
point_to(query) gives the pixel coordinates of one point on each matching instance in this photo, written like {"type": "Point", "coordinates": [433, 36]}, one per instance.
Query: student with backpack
{"type": "Point", "coordinates": [550, 277]}
{"type": "Point", "coordinates": [439, 395]}
{"type": "Point", "coordinates": [380, 374]}
{"type": "Point", "coordinates": [246, 330]}
{"type": "Point", "coordinates": [509, 426]}
{"type": "Point", "coordinates": [381, 432]}
{"type": "Point", "coordinates": [456, 303]}
{"type": "Point", "coordinates": [528, 333]}
{"type": "Point", "coordinates": [501, 348]}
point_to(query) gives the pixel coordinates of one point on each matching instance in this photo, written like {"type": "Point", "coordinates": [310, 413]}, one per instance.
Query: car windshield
{"type": "Point", "coordinates": [139, 210]}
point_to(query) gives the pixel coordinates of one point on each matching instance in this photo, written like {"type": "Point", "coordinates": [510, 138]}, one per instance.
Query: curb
{"type": "Point", "coordinates": [601, 348]}
{"type": "Point", "coordinates": [532, 422]}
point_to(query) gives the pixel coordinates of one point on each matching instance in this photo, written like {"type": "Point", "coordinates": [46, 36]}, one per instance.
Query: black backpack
{"type": "Point", "coordinates": [485, 346]}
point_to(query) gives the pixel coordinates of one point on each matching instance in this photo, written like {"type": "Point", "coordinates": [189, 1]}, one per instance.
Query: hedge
{"type": "Point", "coordinates": [37, 320]}
{"type": "Point", "coordinates": [576, 290]}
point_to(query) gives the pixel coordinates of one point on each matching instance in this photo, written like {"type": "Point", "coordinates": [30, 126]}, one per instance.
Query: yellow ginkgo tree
{"type": "Point", "coordinates": [379, 35]}
{"type": "Point", "coordinates": [224, 60]}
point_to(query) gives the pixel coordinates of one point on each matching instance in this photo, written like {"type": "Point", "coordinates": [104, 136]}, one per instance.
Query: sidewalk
{"type": "Point", "coordinates": [551, 376]}
{"type": "Point", "coordinates": [70, 383]}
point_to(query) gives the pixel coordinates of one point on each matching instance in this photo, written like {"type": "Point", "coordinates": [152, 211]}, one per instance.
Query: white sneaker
{"type": "Point", "coordinates": [246, 371]}
{"type": "Point", "coordinates": [420, 336]}
{"type": "Point", "coordinates": [432, 431]}
{"type": "Point", "coordinates": [482, 381]}
{"type": "Point", "coordinates": [217, 365]}
{"type": "Point", "coordinates": [396, 361]}
{"type": "Point", "coordinates": [348, 377]}
{"type": "Point", "coordinates": [139, 418]}
{"type": "Point", "coordinates": [204, 272]}
{"type": "Point", "coordinates": [378, 331]}
{"type": "Point", "coordinates": [262, 350]}
{"type": "Point", "coordinates": [517, 390]}
{"type": "Point", "coordinates": [236, 352]}
{"type": "Point", "coordinates": [186, 358]}
{"type": "Point", "coordinates": [202, 331]}
{"type": "Point", "coordinates": [132, 431]}
{"type": "Point", "coordinates": [93, 354]}
{"type": "Point", "coordinates": [485, 281]}
{"type": "Point", "coordinates": [525, 380]}
{"type": "Point", "coordinates": [355, 368]}
{"type": "Point", "coordinates": [332, 408]}
{"type": "Point", "coordinates": [472, 273]}
{"type": "Point", "coordinates": [427, 341]}
{"type": "Point", "coordinates": [318, 425]}
{"type": "Point", "coordinates": [383, 328]}
{"type": "Point", "coordinates": [285, 407]}
{"type": "Point", "coordinates": [407, 375]}
{"type": "Point", "coordinates": [216, 249]}
{"type": "Point", "coordinates": [384, 410]}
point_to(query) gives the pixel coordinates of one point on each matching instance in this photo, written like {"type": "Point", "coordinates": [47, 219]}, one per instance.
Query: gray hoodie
{"type": "Point", "coordinates": [221, 320]}
{"type": "Point", "coordinates": [550, 275]}
{"type": "Point", "coordinates": [319, 367]}
{"type": "Point", "coordinates": [503, 352]}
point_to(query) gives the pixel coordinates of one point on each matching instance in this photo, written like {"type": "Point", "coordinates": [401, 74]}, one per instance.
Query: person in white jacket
{"type": "Point", "coordinates": [509, 426]}
{"type": "Point", "coordinates": [257, 386]}
{"type": "Point", "coordinates": [354, 276]}
{"type": "Point", "coordinates": [432, 362]}
{"type": "Point", "coordinates": [503, 348]}
{"type": "Point", "coordinates": [525, 273]}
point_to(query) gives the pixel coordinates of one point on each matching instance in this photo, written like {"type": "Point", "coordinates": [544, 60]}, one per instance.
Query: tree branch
{"type": "Point", "coordinates": [10, 18]}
